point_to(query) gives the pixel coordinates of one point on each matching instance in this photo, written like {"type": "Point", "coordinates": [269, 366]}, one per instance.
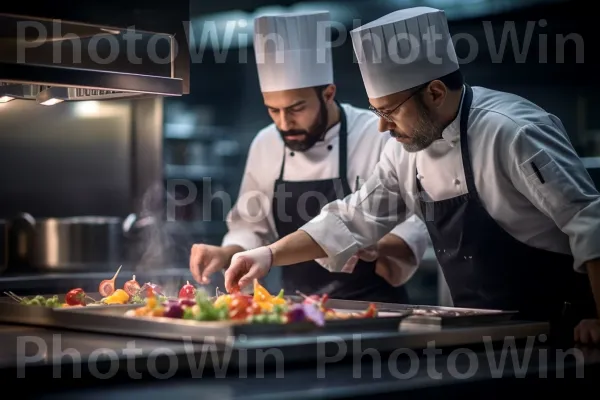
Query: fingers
{"type": "Point", "coordinates": [213, 266]}
{"type": "Point", "coordinates": [201, 258]}
{"type": "Point", "coordinates": [368, 254]}
{"type": "Point", "coordinates": [247, 279]}
{"type": "Point", "coordinates": [350, 264]}
{"type": "Point", "coordinates": [196, 261]}
{"type": "Point", "coordinates": [235, 271]}
{"type": "Point", "coordinates": [587, 332]}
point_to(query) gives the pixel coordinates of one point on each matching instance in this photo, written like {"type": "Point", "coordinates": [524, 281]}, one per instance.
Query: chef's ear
{"type": "Point", "coordinates": [329, 93]}
{"type": "Point", "coordinates": [435, 93]}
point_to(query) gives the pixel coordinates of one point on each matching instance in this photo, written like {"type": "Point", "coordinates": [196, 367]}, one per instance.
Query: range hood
{"type": "Point", "coordinates": [56, 53]}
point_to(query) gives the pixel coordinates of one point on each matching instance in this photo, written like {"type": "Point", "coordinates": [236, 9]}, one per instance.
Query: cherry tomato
{"type": "Point", "coordinates": [75, 297]}
{"type": "Point", "coordinates": [187, 291]}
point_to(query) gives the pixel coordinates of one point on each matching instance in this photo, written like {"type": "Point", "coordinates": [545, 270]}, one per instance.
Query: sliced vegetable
{"type": "Point", "coordinates": [188, 313]}
{"type": "Point", "coordinates": [107, 287]}
{"type": "Point", "coordinates": [118, 297]}
{"type": "Point", "coordinates": [187, 302]}
{"type": "Point", "coordinates": [223, 300]}
{"type": "Point", "coordinates": [314, 314]}
{"type": "Point", "coordinates": [132, 287]}
{"type": "Point", "coordinates": [260, 292]}
{"type": "Point", "coordinates": [238, 308]}
{"type": "Point", "coordinates": [371, 311]}
{"type": "Point", "coordinates": [173, 310]}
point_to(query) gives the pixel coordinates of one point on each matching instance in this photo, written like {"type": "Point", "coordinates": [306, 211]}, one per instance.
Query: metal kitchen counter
{"type": "Point", "coordinates": [284, 367]}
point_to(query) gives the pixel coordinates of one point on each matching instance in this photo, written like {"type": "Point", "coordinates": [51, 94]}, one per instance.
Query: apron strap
{"type": "Point", "coordinates": [343, 158]}
{"type": "Point", "coordinates": [464, 142]}
{"type": "Point", "coordinates": [282, 163]}
{"type": "Point", "coordinates": [343, 161]}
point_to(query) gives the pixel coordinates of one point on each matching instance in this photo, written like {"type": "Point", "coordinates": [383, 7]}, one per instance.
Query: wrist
{"type": "Point", "coordinates": [229, 251]}
{"type": "Point", "coordinates": [271, 256]}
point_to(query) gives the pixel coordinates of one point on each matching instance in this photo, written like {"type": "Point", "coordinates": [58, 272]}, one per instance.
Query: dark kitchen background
{"type": "Point", "coordinates": [118, 158]}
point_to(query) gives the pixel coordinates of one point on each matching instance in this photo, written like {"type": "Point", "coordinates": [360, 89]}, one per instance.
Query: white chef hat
{"type": "Point", "coordinates": [403, 50]}
{"type": "Point", "coordinates": [293, 51]}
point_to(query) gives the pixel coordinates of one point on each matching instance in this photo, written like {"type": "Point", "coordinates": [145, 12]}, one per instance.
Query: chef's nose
{"type": "Point", "coordinates": [385, 125]}
{"type": "Point", "coordinates": [285, 121]}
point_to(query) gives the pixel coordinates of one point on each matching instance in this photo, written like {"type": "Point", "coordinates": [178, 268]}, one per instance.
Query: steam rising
{"type": "Point", "coordinates": [158, 244]}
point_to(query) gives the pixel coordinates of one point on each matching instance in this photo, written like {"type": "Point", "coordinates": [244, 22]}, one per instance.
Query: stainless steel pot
{"type": "Point", "coordinates": [86, 242]}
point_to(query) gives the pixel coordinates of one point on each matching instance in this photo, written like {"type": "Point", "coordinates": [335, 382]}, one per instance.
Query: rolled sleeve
{"type": "Point", "coordinates": [584, 235]}
{"type": "Point", "coordinates": [362, 218]}
{"type": "Point", "coordinates": [414, 233]}
{"type": "Point", "coordinates": [245, 239]}
{"type": "Point", "coordinates": [334, 237]}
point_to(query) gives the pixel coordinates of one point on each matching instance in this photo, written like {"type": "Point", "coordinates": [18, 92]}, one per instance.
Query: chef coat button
{"type": "Point", "coordinates": [329, 147]}
{"type": "Point", "coordinates": [292, 154]}
{"type": "Point", "coordinates": [456, 181]}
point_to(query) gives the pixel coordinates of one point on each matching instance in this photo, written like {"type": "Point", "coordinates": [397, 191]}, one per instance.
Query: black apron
{"type": "Point", "coordinates": [294, 204]}
{"type": "Point", "coordinates": [485, 267]}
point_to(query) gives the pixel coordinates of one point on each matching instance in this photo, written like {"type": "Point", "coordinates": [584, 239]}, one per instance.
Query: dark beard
{"type": "Point", "coordinates": [313, 134]}
{"type": "Point", "coordinates": [426, 132]}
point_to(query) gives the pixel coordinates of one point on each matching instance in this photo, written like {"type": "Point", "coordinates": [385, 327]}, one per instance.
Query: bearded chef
{"type": "Point", "coordinates": [315, 151]}
{"type": "Point", "coordinates": [512, 212]}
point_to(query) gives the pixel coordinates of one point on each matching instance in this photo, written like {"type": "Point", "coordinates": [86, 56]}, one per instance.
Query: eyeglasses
{"type": "Point", "coordinates": [387, 116]}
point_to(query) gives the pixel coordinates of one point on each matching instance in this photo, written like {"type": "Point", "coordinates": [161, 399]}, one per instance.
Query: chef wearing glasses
{"type": "Point", "coordinates": [513, 215]}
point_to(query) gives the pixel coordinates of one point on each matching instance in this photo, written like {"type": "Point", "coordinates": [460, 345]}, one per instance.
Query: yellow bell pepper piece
{"type": "Point", "coordinates": [118, 297]}
{"type": "Point", "coordinates": [260, 293]}
{"type": "Point", "coordinates": [121, 295]}
{"type": "Point", "coordinates": [265, 305]}
{"type": "Point", "coordinates": [278, 300]}
{"type": "Point", "coordinates": [222, 300]}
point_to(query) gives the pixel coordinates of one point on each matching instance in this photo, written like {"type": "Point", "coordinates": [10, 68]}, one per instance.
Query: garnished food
{"type": "Point", "coordinates": [261, 307]}
{"type": "Point", "coordinates": [51, 302]}
{"type": "Point", "coordinates": [107, 287]}
{"type": "Point", "coordinates": [200, 309]}
{"type": "Point", "coordinates": [187, 291]}
{"type": "Point", "coordinates": [130, 294]}
{"type": "Point", "coordinates": [131, 287]}
{"type": "Point", "coordinates": [75, 297]}
{"type": "Point", "coordinates": [118, 297]}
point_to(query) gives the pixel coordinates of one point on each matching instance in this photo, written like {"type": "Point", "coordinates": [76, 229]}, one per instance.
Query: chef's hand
{"type": "Point", "coordinates": [368, 254]}
{"type": "Point", "coordinates": [205, 260]}
{"type": "Point", "coordinates": [246, 267]}
{"type": "Point", "coordinates": [588, 331]}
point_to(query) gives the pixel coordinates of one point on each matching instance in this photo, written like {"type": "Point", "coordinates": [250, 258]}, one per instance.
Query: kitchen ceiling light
{"type": "Point", "coordinates": [57, 94]}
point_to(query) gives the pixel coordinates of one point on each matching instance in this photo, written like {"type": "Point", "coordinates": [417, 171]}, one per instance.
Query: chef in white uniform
{"type": "Point", "coordinates": [513, 215]}
{"type": "Point", "coordinates": [315, 151]}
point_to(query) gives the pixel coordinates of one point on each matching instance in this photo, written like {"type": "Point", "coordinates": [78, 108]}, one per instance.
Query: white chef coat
{"type": "Point", "coordinates": [505, 134]}
{"type": "Point", "coordinates": [250, 221]}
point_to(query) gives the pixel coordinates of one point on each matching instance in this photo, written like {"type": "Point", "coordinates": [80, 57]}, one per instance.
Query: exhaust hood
{"type": "Point", "coordinates": [59, 54]}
